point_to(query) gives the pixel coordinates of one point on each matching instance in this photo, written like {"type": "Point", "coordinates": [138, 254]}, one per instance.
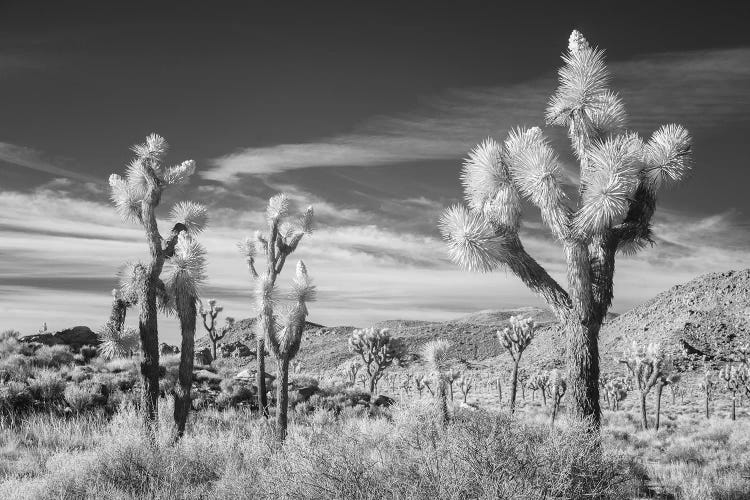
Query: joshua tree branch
{"type": "Point", "coordinates": [171, 242]}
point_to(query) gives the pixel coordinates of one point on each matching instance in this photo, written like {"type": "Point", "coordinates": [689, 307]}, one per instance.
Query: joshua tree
{"type": "Point", "coordinates": [285, 340]}
{"type": "Point", "coordinates": [540, 380]}
{"type": "Point", "coordinates": [667, 377]}
{"type": "Point", "coordinates": [209, 323]}
{"type": "Point", "coordinates": [610, 210]}
{"type": "Point", "coordinates": [184, 274]}
{"type": "Point", "coordinates": [117, 341]}
{"type": "Point", "coordinates": [616, 390]}
{"type": "Point", "coordinates": [438, 357]}
{"type": "Point", "coordinates": [377, 349]}
{"type": "Point", "coordinates": [284, 235]}
{"type": "Point", "coordinates": [730, 375]}
{"type": "Point", "coordinates": [674, 379]}
{"type": "Point", "coordinates": [557, 386]}
{"type": "Point", "coordinates": [352, 368]}
{"type": "Point", "coordinates": [708, 384]}
{"type": "Point", "coordinates": [465, 384]}
{"type": "Point", "coordinates": [647, 365]}
{"type": "Point", "coordinates": [451, 376]}
{"type": "Point", "coordinates": [420, 383]}
{"type": "Point", "coordinates": [136, 197]}
{"type": "Point", "coordinates": [515, 340]}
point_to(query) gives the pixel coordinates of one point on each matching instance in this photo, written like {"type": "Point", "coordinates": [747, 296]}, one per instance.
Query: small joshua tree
{"type": "Point", "coordinates": [285, 340]}
{"type": "Point", "coordinates": [540, 381]}
{"type": "Point", "coordinates": [185, 272]}
{"type": "Point", "coordinates": [377, 349]}
{"type": "Point", "coordinates": [557, 386]}
{"type": "Point", "coordinates": [420, 383]}
{"type": "Point", "coordinates": [438, 357]}
{"type": "Point", "coordinates": [616, 390]}
{"type": "Point", "coordinates": [730, 376]}
{"type": "Point", "coordinates": [136, 197]}
{"type": "Point", "coordinates": [284, 235]}
{"type": "Point", "coordinates": [209, 323]}
{"type": "Point", "coordinates": [515, 339]}
{"type": "Point", "coordinates": [352, 369]}
{"type": "Point", "coordinates": [667, 377]}
{"type": "Point", "coordinates": [451, 376]}
{"type": "Point", "coordinates": [610, 211]}
{"type": "Point", "coordinates": [708, 384]}
{"type": "Point", "coordinates": [647, 365]}
{"type": "Point", "coordinates": [465, 384]}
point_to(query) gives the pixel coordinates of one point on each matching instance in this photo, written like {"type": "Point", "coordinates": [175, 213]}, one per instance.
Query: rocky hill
{"type": "Point", "coordinates": [708, 315]}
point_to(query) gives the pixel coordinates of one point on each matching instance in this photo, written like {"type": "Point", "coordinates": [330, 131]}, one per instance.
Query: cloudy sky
{"type": "Point", "coordinates": [362, 109]}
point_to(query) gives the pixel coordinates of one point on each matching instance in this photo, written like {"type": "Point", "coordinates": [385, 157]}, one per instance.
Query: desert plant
{"type": "Point", "coordinates": [708, 384]}
{"type": "Point", "coordinates": [616, 390]}
{"type": "Point", "coordinates": [438, 356]}
{"type": "Point", "coordinates": [420, 383]}
{"type": "Point", "coordinates": [117, 341]}
{"type": "Point", "coordinates": [558, 387]}
{"type": "Point", "coordinates": [451, 376]}
{"type": "Point", "coordinates": [648, 365]}
{"type": "Point", "coordinates": [352, 369]}
{"type": "Point", "coordinates": [377, 349]}
{"type": "Point", "coordinates": [185, 273]}
{"type": "Point", "coordinates": [465, 384]}
{"type": "Point", "coordinates": [285, 340]}
{"type": "Point", "coordinates": [209, 323]}
{"type": "Point", "coordinates": [136, 197]}
{"type": "Point", "coordinates": [515, 339]}
{"type": "Point", "coordinates": [611, 211]}
{"type": "Point", "coordinates": [499, 386]}
{"type": "Point", "coordinates": [666, 377]}
{"type": "Point", "coordinates": [730, 375]}
{"type": "Point", "coordinates": [540, 381]}
{"type": "Point", "coordinates": [284, 235]}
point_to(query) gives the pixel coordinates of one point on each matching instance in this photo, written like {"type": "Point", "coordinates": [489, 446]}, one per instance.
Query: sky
{"type": "Point", "coordinates": [364, 110]}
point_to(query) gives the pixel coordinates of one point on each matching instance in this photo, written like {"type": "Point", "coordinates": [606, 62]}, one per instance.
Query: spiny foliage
{"type": "Point", "coordinates": [516, 338]}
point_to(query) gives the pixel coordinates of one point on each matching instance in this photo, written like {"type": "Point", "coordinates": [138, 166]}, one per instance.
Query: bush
{"type": "Point", "coordinates": [53, 356]}
{"type": "Point", "coordinates": [80, 397]}
{"type": "Point", "coordinates": [15, 397]}
{"type": "Point", "coordinates": [47, 387]}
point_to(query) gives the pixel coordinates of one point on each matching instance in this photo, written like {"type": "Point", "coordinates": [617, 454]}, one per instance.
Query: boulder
{"type": "Point", "coordinates": [235, 350]}
{"type": "Point", "coordinates": [166, 349]}
{"type": "Point", "coordinates": [75, 337]}
{"type": "Point", "coordinates": [206, 376]}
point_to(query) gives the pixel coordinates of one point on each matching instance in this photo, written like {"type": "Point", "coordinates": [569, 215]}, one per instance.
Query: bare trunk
{"type": "Point", "coordinates": [213, 349]}
{"type": "Point", "coordinates": [659, 388]}
{"type": "Point", "coordinates": [734, 406]}
{"type": "Point", "coordinates": [187, 313]}
{"type": "Point", "coordinates": [707, 412]}
{"type": "Point", "coordinates": [499, 391]}
{"type": "Point", "coordinates": [644, 420]}
{"type": "Point", "coordinates": [282, 398]}
{"type": "Point", "coordinates": [544, 397]}
{"type": "Point", "coordinates": [260, 377]}
{"type": "Point", "coordinates": [373, 385]}
{"type": "Point", "coordinates": [555, 406]}
{"type": "Point", "coordinates": [147, 328]}
{"type": "Point", "coordinates": [443, 401]}
{"type": "Point", "coordinates": [583, 372]}
{"type": "Point", "coordinates": [513, 387]}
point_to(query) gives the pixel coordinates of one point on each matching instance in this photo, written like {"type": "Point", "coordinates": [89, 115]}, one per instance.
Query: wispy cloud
{"type": "Point", "coordinates": [699, 89]}
{"type": "Point", "coordinates": [26, 157]}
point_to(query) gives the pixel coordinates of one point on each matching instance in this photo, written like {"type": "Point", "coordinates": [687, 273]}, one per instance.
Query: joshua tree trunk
{"type": "Point", "coordinates": [734, 406]}
{"type": "Point", "coordinates": [513, 387]}
{"type": "Point", "coordinates": [187, 312]}
{"type": "Point", "coordinates": [260, 378]}
{"type": "Point", "coordinates": [373, 384]}
{"type": "Point", "coordinates": [150, 365]}
{"type": "Point", "coordinates": [555, 404]}
{"type": "Point", "coordinates": [499, 391]}
{"type": "Point", "coordinates": [282, 398]}
{"type": "Point", "coordinates": [644, 420]}
{"type": "Point", "coordinates": [659, 388]}
{"type": "Point", "coordinates": [213, 348]}
{"type": "Point", "coordinates": [544, 397]}
{"type": "Point", "coordinates": [707, 409]}
{"type": "Point", "coordinates": [583, 370]}
{"type": "Point", "coordinates": [442, 397]}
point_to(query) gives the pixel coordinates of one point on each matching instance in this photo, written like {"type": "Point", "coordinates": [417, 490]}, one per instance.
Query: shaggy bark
{"type": "Point", "coordinates": [187, 313]}
{"type": "Point", "coordinates": [282, 398]}
{"type": "Point", "coordinates": [513, 387]}
{"type": "Point", "coordinates": [659, 388]}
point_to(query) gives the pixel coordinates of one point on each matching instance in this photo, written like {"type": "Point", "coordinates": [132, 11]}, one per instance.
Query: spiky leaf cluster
{"type": "Point", "coordinates": [438, 355]}
{"type": "Point", "coordinates": [185, 272]}
{"type": "Point", "coordinates": [117, 343]}
{"type": "Point", "coordinates": [286, 338]}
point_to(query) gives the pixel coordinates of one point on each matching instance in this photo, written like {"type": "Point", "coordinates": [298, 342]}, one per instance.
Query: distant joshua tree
{"type": "Point", "coordinates": [284, 235]}
{"type": "Point", "coordinates": [730, 375]}
{"type": "Point", "coordinates": [515, 340]}
{"type": "Point", "coordinates": [649, 367]}
{"type": "Point", "coordinates": [209, 323]}
{"type": "Point", "coordinates": [609, 212]}
{"type": "Point", "coordinates": [558, 387]}
{"type": "Point", "coordinates": [377, 349]}
{"type": "Point", "coordinates": [708, 384]}
{"type": "Point", "coordinates": [136, 197]}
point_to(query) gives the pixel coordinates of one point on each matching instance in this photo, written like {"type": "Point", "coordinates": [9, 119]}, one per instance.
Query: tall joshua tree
{"type": "Point", "coordinates": [515, 339]}
{"type": "Point", "coordinates": [285, 341]}
{"type": "Point", "coordinates": [284, 235]}
{"type": "Point", "coordinates": [209, 323]}
{"type": "Point", "coordinates": [136, 197]}
{"type": "Point", "coordinates": [185, 272]}
{"type": "Point", "coordinates": [610, 210]}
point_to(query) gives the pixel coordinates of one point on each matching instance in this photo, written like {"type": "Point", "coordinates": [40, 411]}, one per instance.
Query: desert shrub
{"type": "Point", "coordinates": [81, 397]}
{"type": "Point", "coordinates": [53, 356]}
{"type": "Point", "coordinates": [15, 366]}
{"type": "Point", "coordinates": [15, 397]}
{"type": "Point", "coordinates": [233, 393]}
{"type": "Point", "coordinates": [46, 387]}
